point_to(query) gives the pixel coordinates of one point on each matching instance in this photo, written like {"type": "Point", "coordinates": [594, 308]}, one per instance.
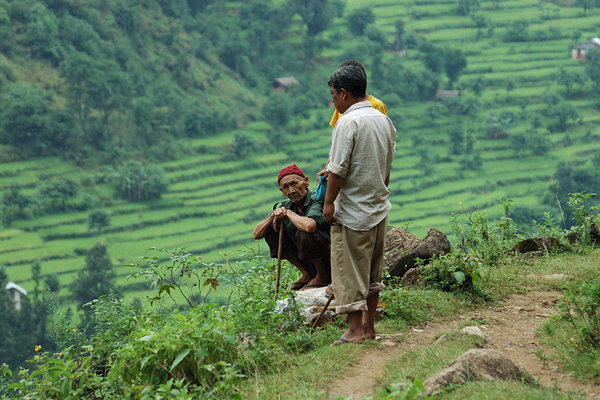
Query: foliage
{"type": "Point", "coordinates": [137, 182]}
{"type": "Point", "coordinates": [317, 15]}
{"type": "Point", "coordinates": [204, 351]}
{"type": "Point", "coordinates": [277, 110]}
{"type": "Point", "coordinates": [404, 391]}
{"type": "Point", "coordinates": [466, 7]}
{"type": "Point", "coordinates": [479, 240]}
{"type": "Point", "coordinates": [453, 272]}
{"type": "Point", "coordinates": [28, 122]}
{"type": "Point", "coordinates": [185, 274]}
{"type": "Point", "coordinates": [575, 333]}
{"type": "Point", "coordinates": [454, 64]}
{"type": "Point", "coordinates": [570, 178]}
{"type": "Point", "coordinates": [96, 278]}
{"type": "Point", "coordinates": [21, 330]}
{"type": "Point", "coordinates": [517, 31]}
{"type": "Point", "coordinates": [359, 19]}
{"type": "Point", "coordinates": [98, 220]}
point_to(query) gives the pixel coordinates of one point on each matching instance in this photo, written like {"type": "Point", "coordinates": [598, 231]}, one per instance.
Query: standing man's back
{"type": "Point", "coordinates": [356, 202]}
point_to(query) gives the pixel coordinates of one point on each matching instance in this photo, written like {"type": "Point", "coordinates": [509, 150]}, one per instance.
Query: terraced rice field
{"type": "Point", "coordinates": [212, 205]}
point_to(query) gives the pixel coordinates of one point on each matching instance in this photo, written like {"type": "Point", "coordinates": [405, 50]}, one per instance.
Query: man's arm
{"type": "Point", "coordinates": [304, 224]}
{"type": "Point", "coordinates": [387, 179]}
{"type": "Point", "coordinates": [334, 185]}
{"type": "Point", "coordinates": [260, 231]}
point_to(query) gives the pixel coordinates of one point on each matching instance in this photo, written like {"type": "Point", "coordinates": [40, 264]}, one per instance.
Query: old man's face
{"type": "Point", "coordinates": [294, 187]}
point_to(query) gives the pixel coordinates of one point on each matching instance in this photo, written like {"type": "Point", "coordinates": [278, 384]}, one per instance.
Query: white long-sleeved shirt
{"type": "Point", "coordinates": [362, 148]}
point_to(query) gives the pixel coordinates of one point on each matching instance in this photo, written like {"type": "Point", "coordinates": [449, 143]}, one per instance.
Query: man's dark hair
{"type": "Point", "coordinates": [354, 63]}
{"type": "Point", "coordinates": [351, 78]}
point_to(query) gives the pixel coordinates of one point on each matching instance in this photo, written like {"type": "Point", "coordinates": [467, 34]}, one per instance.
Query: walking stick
{"type": "Point", "coordinates": [279, 259]}
{"type": "Point", "coordinates": [314, 326]}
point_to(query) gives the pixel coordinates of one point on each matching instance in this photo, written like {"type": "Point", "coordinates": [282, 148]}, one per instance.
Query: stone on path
{"type": "Point", "coordinates": [477, 364]}
{"type": "Point", "coordinates": [473, 331]}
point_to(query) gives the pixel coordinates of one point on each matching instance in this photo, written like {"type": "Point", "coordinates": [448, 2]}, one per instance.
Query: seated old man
{"type": "Point", "coordinates": [306, 240]}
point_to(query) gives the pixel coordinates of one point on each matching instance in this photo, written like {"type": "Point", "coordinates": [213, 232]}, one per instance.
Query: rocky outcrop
{"type": "Point", "coordinates": [403, 248]}
{"type": "Point", "coordinates": [543, 243]}
{"type": "Point", "coordinates": [477, 364]}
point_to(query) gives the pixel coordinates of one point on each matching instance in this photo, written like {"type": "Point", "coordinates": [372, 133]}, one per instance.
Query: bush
{"type": "Point", "coordinates": [453, 272]}
{"type": "Point", "coordinates": [136, 182]}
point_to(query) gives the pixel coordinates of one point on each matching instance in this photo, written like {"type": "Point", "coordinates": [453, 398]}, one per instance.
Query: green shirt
{"type": "Point", "coordinates": [312, 208]}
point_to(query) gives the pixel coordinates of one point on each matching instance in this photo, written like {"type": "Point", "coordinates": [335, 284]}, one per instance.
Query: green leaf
{"type": "Point", "coordinates": [146, 338]}
{"type": "Point", "coordinates": [65, 387]}
{"type": "Point", "coordinates": [180, 358]}
{"type": "Point", "coordinates": [14, 386]}
{"type": "Point", "coordinates": [460, 276]}
{"type": "Point", "coordinates": [145, 360]}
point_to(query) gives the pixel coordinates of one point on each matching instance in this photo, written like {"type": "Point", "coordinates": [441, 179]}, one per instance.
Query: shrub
{"type": "Point", "coordinates": [453, 272]}
{"type": "Point", "coordinates": [136, 182]}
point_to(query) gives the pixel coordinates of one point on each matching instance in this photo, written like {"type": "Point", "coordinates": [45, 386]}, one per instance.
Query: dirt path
{"type": "Point", "coordinates": [510, 327]}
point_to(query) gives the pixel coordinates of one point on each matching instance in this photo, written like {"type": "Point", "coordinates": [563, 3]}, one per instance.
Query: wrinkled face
{"type": "Point", "coordinates": [338, 97]}
{"type": "Point", "coordinates": [294, 187]}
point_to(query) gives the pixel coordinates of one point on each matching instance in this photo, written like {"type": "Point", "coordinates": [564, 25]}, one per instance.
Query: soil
{"type": "Point", "coordinates": [510, 327]}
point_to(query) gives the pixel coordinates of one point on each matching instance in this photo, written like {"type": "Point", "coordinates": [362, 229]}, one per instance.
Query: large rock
{"type": "Point", "coordinates": [403, 248]}
{"type": "Point", "coordinates": [543, 243]}
{"type": "Point", "coordinates": [477, 364]}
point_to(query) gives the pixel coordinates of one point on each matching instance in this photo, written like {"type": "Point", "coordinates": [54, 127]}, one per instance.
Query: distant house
{"type": "Point", "coordinates": [578, 52]}
{"type": "Point", "coordinates": [445, 94]}
{"type": "Point", "coordinates": [16, 293]}
{"type": "Point", "coordinates": [284, 83]}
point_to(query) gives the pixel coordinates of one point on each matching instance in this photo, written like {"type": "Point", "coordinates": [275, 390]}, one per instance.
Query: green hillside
{"type": "Point", "coordinates": [525, 107]}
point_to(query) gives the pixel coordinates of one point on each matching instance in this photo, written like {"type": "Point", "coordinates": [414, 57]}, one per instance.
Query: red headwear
{"type": "Point", "coordinates": [290, 169]}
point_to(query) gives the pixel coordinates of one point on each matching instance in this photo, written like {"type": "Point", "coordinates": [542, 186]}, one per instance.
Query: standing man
{"type": "Point", "coordinates": [356, 202]}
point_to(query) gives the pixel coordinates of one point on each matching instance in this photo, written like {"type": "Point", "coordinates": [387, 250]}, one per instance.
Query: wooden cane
{"type": "Point", "coordinates": [279, 259]}
{"type": "Point", "coordinates": [314, 326]}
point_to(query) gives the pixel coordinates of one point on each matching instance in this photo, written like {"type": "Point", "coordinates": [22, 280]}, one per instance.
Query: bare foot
{"type": "Point", "coordinates": [315, 283]}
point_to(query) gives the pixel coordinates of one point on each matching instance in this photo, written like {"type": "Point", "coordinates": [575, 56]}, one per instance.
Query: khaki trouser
{"type": "Point", "coordinates": [356, 265]}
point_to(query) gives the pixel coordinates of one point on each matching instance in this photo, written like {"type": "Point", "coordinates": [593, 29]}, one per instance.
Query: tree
{"type": "Point", "coordinates": [14, 205]}
{"type": "Point", "coordinates": [569, 179]}
{"type": "Point", "coordinates": [242, 146]}
{"type": "Point", "coordinates": [136, 182]}
{"type": "Point", "coordinates": [399, 33]}
{"type": "Point", "coordinates": [560, 114]}
{"type": "Point", "coordinates": [509, 85]}
{"type": "Point", "coordinates": [568, 79]}
{"type": "Point", "coordinates": [456, 134]}
{"type": "Point", "coordinates": [359, 19]}
{"type": "Point", "coordinates": [592, 66]}
{"type": "Point", "coordinates": [317, 15]}
{"type": "Point", "coordinates": [432, 57]}
{"type": "Point", "coordinates": [29, 124]}
{"type": "Point", "coordinates": [98, 220]}
{"type": "Point", "coordinates": [58, 192]}
{"type": "Point", "coordinates": [517, 31]}
{"type": "Point", "coordinates": [481, 22]}
{"type": "Point", "coordinates": [465, 7]}
{"type": "Point", "coordinates": [277, 109]}
{"type": "Point", "coordinates": [477, 85]}
{"type": "Point", "coordinates": [94, 84]}
{"type": "Point", "coordinates": [586, 5]}
{"type": "Point", "coordinates": [96, 278]}
{"type": "Point", "coordinates": [454, 64]}
{"type": "Point", "coordinates": [498, 124]}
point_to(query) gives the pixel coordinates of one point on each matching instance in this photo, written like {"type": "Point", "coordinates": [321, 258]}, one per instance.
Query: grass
{"type": "Point", "coordinates": [407, 307]}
